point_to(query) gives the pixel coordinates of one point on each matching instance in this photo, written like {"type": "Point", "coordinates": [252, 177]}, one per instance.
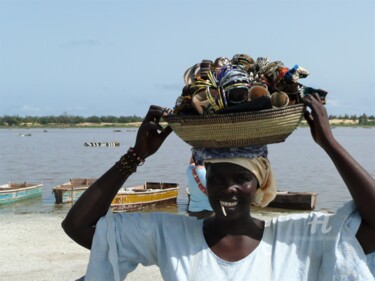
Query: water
{"type": "Point", "coordinates": [55, 156]}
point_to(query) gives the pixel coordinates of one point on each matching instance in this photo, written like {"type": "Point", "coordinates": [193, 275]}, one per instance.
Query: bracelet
{"type": "Point", "coordinates": [129, 162]}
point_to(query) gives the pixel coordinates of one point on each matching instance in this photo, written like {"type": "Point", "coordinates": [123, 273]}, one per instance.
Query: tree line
{"type": "Point", "coordinates": [363, 119]}
{"type": "Point", "coordinates": [64, 119]}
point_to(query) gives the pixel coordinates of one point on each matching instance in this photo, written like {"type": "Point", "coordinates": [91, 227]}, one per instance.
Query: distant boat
{"type": "Point", "coordinates": [94, 144]}
{"type": "Point", "coordinates": [24, 135]}
{"type": "Point", "coordinates": [117, 131]}
{"type": "Point", "coordinates": [294, 200]}
{"type": "Point", "coordinates": [12, 192]}
{"type": "Point", "coordinates": [128, 198]}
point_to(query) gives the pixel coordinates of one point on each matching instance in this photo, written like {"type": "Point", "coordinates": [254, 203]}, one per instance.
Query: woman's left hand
{"type": "Point", "coordinates": [318, 120]}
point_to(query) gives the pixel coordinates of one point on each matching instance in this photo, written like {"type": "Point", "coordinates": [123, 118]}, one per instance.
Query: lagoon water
{"type": "Point", "coordinates": [55, 156]}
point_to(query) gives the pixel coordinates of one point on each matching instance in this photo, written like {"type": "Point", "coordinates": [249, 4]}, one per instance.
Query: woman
{"type": "Point", "coordinates": [231, 245]}
{"type": "Point", "coordinates": [199, 205]}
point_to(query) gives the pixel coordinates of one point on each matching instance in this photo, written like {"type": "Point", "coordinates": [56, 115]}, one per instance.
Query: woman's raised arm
{"type": "Point", "coordinates": [359, 182]}
{"type": "Point", "coordinates": [94, 203]}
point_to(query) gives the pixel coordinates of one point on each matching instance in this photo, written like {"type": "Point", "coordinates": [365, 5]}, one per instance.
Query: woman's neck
{"type": "Point", "coordinates": [233, 240]}
{"type": "Point", "coordinates": [248, 226]}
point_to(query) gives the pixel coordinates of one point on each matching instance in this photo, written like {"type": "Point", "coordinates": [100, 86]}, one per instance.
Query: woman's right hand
{"type": "Point", "coordinates": [318, 120]}
{"type": "Point", "coordinates": [151, 134]}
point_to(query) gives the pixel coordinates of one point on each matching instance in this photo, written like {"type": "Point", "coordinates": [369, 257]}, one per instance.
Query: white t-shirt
{"type": "Point", "coordinates": [310, 247]}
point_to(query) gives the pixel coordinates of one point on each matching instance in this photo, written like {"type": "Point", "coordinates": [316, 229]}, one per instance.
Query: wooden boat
{"type": "Point", "coordinates": [70, 191]}
{"type": "Point", "coordinates": [128, 198]}
{"type": "Point", "coordinates": [149, 194]}
{"type": "Point", "coordinates": [294, 200]}
{"type": "Point", "coordinates": [12, 192]}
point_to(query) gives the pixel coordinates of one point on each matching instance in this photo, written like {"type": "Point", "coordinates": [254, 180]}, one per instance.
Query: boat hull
{"type": "Point", "coordinates": [131, 198]}
{"type": "Point", "coordinates": [294, 200]}
{"type": "Point", "coordinates": [138, 200]}
{"type": "Point", "coordinates": [70, 191]}
{"type": "Point", "coordinates": [18, 192]}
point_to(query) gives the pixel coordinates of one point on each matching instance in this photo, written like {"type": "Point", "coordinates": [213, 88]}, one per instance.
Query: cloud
{"type": "Point", "coordinates": [82, 43]}
{"type": "Point", "coordinates": [28, 109]}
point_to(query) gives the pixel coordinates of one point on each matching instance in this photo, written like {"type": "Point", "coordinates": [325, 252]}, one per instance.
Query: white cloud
{"type": "Point", "coordinates": [82, 43]}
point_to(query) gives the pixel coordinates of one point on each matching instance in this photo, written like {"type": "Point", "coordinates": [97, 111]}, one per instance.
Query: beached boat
{"type": "Point", "coordinates": [71, 190]}
{"type": "Point", "coordinates": [294, 200]}
{"type": "Point", "coordinates": [149, 194]}
{"type": "Point", "coordinates": [12, 192]}
{"type": "Point", "coordinates": [128, 198]}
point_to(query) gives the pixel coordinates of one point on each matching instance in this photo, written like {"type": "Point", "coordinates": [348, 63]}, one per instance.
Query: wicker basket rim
{"type": "Point", "coordinates": [272, 111]}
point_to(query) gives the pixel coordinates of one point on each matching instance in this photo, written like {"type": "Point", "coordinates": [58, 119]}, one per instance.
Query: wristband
{"type": "Point", "coordinates": [129, 162]}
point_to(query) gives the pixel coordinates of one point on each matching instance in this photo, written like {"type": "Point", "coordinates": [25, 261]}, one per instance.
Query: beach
{"type": "Point", "coordinates": [35, 248]}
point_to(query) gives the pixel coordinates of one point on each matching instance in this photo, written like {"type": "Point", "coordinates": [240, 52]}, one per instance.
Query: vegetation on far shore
{"type": "Point", "coordinates": [65, 120]}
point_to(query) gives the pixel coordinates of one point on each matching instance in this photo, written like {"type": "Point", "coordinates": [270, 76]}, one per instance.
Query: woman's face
{"type": "Point", "coordinates": [230, 189]}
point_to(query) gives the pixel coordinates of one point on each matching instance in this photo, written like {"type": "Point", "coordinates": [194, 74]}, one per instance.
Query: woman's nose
{"type": "Point", "coordinates": [231, 187]}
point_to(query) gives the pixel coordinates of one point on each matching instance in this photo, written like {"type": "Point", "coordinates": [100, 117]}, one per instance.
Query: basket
{"type": "Point", "coordinates": [237, 129]}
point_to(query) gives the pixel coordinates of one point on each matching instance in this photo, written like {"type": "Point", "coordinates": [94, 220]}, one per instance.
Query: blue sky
{"type": "Point", "coordinates": [118, 57]}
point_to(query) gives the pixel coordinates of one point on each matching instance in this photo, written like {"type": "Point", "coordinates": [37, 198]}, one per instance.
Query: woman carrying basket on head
{"type": "Point", "coordinates": [231, 245]}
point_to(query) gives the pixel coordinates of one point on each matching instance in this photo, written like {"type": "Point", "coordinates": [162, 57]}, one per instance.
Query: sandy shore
{"type": "Point", "coordinates": [35, 248]}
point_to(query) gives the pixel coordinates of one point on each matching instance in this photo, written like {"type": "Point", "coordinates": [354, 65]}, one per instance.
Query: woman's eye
{"type": "Point", "coordinates": [213, 179]}
{"type": "Point", "coordinates": [243, 179]}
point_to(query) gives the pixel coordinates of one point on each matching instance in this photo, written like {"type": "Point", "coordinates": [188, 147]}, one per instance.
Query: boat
{"type": "Point", "coordinates": [294, 200]}
{"type": "Point", "coordinates": [127, 198]}
{"type": "Point", "coordinates": [12, 192]}
{"type": "Point", "coordinates": [24, 135]}
{"type": "Point", "coordinates": [70, 191]}
{"type": "Point", "coordinates": [102, 143]}
{"type": "Point", "coordinates": [117, 131]}
{"type": "Point", "coordinates": [148, 194]}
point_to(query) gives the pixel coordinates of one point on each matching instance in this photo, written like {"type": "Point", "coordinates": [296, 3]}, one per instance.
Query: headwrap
{"type": "Point", "coordinates": [252, 158]}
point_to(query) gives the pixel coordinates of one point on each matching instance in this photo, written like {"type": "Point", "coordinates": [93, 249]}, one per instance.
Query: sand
{"type": "Point", "coordinates": [35, 248]}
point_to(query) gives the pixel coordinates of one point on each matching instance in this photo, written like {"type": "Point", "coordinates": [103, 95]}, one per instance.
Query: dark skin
{"type": "Point", "coordinates": [236, 235]}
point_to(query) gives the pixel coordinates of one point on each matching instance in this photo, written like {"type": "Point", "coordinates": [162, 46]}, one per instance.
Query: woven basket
{"type": "Point", "coordinates": [237, 129]}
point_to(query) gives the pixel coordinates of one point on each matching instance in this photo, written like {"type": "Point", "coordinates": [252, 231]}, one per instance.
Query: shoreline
{"type": "Point", "coordinates": [333, 122]}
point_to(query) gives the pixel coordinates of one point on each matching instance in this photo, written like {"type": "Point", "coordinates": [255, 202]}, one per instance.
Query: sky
{"type": "Point", "coordinates": [87, 57]}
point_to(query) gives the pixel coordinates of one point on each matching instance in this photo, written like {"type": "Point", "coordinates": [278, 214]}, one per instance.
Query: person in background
{"type": "Point", "coordinates": [199, 206]}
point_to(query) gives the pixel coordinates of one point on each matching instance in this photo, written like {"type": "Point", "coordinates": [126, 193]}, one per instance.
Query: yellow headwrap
{"type": "Point", "coordinates": [260, 167]}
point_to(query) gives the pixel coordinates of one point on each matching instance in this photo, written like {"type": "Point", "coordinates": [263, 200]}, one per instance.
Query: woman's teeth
{"type": "Point", "coordinates": [228, 204]}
